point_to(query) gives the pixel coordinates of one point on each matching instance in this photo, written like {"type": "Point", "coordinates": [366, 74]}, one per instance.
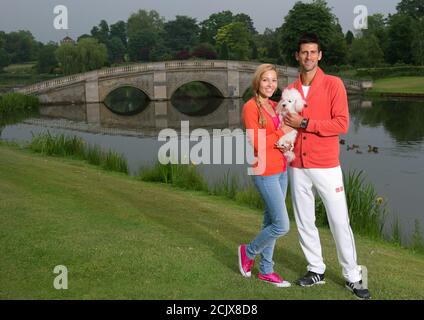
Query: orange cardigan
{"type": "Point", "coordinates": [327, 109]}
{"type": "Point", "coordinates": [275, 161]}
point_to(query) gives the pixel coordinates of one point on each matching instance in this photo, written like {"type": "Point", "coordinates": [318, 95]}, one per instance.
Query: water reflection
{"type": "Point", "coordinates": [403, 120]}
{"type": "Point", "coordinates": [155, 116]}
{"type": "Point", "coordinates": [126, 101]}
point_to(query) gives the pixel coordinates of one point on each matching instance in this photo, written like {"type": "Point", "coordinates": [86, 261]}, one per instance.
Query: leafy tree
{"type": "Point", "coordinates": [119, 30]}
{"type": "Point", "coordinates": [418, 42]}
{"type": "Point", "coordinates": [181, 34]}
{"type": "Point", "coordinates": [349, 37]}
{"type": "Point", "coordinates": [47, 60]}
{"type": "Point", "coordinates": [268, 46]}
{"type": "Point", "coordinates": [84, 36]}
{"type": "Point", "coordinates": [101, 32]}
{"type": "Point", "coordinates": [313, 17]}
{"type": "Point", "coordinates": [21, 46]}
{"type": "Point", "coordinates": [116, 50]}
{"type": "Point", "coordinates": [205, 51]}
{"type": "Point", "coordinates": [366, 52]}
{"type": "Point", "coordinates": [236, 37]}
{"type": "Point", "coordinates": [210, 26]}
{"type": "Point", "coordinates": [4, 59]}
{"type": "Point", "coordinates": [92, 54]}
{"type": "Point", "coordinates": [412, 8]}
{"type": "Point", "coordinates": [88, 54]}
{"type": "Point", "coordinates": [140, 45]}
{"type": "Point", "coordinates": [145, 34]}
{"type": "Point", "coordinates": [377, 26]}
{"type": "Point", "coordinates": [242, 17]}
{"type": "Point", "coordinates": [69, 59]}
{"type": "Point", "coordinates": [4, 56]}
{"type": "Point", "coordinates": [400, 34]}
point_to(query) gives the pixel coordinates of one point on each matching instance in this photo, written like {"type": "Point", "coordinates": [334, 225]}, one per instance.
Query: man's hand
{"type": "Point", "coordinates": [293, 120]}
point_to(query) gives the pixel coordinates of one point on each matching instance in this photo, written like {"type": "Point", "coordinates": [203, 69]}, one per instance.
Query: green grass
{"type": "Point", "coordinates": [124, 238]}
{"type": "Point", "coordinates": [20, 67]}
{"type": "Point", "coordinates": [403, 85]}
{"type": "Point", "coordinates": [73, 146]}
{"type": "Point", "coordinates": [17, 103]}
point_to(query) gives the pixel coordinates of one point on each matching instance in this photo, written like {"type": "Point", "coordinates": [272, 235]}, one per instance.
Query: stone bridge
{"type": "Point", "coordinates": [158, 80]}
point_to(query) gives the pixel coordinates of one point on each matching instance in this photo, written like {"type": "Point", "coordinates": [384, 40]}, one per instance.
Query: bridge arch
{"type": "Point", "coordinates": [126, 100]}
{"type": "Point", "coordinates": [210, 86]}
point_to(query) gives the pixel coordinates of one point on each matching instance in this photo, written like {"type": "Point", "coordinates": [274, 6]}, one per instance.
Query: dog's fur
{"type": "Point", "coordinates": [291, 102]}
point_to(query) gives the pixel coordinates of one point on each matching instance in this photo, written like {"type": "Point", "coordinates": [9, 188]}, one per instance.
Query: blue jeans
{"type": "Point", "coordinates": [276, 220]}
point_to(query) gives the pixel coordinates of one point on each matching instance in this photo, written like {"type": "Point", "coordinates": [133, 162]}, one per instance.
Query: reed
{"type": "Point", "coordinates": [11, 103]}
{"type": "Point", "coordinates": [183, 176]}
{"type": "Point", "coordinates": [75, 147]}
{"type": "Point", "coordinates": [367, 210]}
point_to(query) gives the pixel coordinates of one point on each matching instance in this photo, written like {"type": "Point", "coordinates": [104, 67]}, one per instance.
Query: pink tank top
{"type": "Point", "coordinates": [276, 121]}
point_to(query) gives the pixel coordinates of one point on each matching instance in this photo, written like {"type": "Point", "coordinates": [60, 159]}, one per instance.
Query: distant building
{"type": "Point", "coordinates": [67, 40]}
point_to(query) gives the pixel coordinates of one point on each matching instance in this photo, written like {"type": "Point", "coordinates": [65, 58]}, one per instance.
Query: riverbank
{"type": "Point", "coordinates": [398, 87]}
{"type": "Point", "coordinates": [119, 239]}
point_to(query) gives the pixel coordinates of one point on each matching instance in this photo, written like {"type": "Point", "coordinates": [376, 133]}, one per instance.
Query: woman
{"type": "Point", "coordinates": [270, 175]}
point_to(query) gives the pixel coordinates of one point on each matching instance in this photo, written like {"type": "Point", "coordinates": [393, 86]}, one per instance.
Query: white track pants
{"type": "Point", "coordinates": [329, 185]}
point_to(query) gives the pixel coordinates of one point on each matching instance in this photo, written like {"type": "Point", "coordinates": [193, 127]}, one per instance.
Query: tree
{"type": "Point", "coordinates": [313, 17]}
{"type": "Point", "coordinates": [88, 54]}
{"type": "Point", "coordinates": [101, 32]}
{"type": "Point", "coordinates": [4, 59]}
{"type": "Point", "coordinates": [116, 50]}
{"type": "Point", "coordinates": [92, 54]}
{"type": "Point", "coordinates": [47, 60]}
{"type": "Point", "coordinates": [412, 8]}
{"type": "Point", "coordinates": [4, 56]}
{"type": "Point", "coordinates": [400, 35]}
{"type": "Point", "coordinates": [366, 52]}
{"type": "Point", "coordinates": [246, 19]}
{"type": "Point", "coordinates": [68, 58]}
{"type": "Point", "coordinates": [21, 46]}
{"type": "Point", "coordinates": [140, 44]}
{"type": "Point", "coordinates": [119, 30]}
{"type": "Point", "coordinates": [181, 34]}
{"type": "Point", "coordinates": [204, 51]}
{"type": "Point", "coordinates": [211, 25]}
{"type": "Point", "coordinates": [145, 34]}
{"type": "Point", "coordinates": [377, 26]}
{"type": "Point", "coordinates": [349, 37]}
{"type": "Point", "coordinates": [236, 37]}
{"type": "Point", "coordinates": [418, 42]}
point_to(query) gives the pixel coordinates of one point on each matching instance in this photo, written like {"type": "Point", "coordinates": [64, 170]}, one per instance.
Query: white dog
{"type": "Point", "coordinates": [291, 102]}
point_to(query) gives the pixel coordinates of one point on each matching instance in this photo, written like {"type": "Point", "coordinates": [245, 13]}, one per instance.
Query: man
{"type": "Point", "coordinates": [317, 167]}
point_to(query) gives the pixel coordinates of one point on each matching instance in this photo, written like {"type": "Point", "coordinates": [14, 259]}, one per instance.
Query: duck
{"type": "Point", "coordinates": [372, 149]}
{"type": "Point", "coordinates": [359, 151]}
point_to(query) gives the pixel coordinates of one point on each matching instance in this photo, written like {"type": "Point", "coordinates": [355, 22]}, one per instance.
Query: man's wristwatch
{"type": "Point", "coordinates": [304, 123]}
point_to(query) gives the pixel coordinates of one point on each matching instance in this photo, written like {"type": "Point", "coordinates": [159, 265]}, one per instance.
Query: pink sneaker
{"type": "Point", "coordinates": [245, 264]}
{"type": "Point", "coordinates": [274, 279]}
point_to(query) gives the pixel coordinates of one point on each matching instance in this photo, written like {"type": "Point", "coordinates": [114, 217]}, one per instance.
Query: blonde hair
{"type": "Point", "coordinates": [256, 81]}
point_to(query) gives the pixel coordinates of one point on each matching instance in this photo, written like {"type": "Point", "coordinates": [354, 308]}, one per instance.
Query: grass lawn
{"type": "Point", "coordinates": [399, 85]}
{"type": "Point", "coordinates": [20, 67]}
{"type": "Point", "coordinates": [121, 238]}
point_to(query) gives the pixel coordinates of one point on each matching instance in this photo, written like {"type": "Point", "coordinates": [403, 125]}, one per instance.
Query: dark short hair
{"type": "Point", "coordinates": [308, 38]}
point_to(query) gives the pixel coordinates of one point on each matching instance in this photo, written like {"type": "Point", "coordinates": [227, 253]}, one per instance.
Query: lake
{"type": "Point", "coordinates": [385, 140]}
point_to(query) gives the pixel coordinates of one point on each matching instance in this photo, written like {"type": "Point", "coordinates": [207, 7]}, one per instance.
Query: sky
{"type": "Point", "coordinates": [37, 16]}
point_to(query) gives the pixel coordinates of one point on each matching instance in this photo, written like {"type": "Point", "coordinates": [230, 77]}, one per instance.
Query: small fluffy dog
{"type": "Point", "coordinates": [291, 102]}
